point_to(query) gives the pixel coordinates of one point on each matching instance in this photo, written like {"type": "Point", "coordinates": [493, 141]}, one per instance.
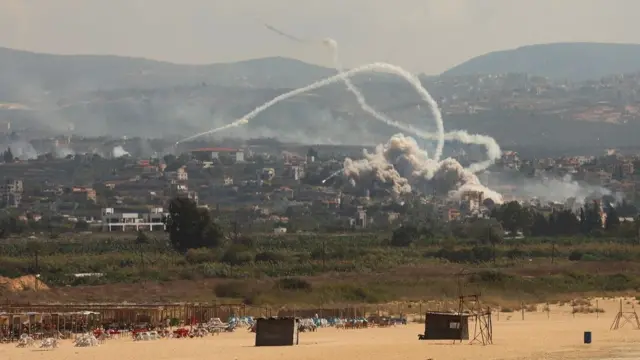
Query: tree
{"type": "Point", "coordinates": [541, 225]}
{"type": "Point", "coordinates": [82, 225]}
{"type": "Point", "coordinates": [486, 232]}
{"type": "Point", "coordinates": [592, 220]}
{"type": "Point", "coordinates": [404, 236]}
{"type": "Point", "coordinates": [625, 209]}
{"type": "Point", "coordinates": [190, 227]}
{"type": "Point", "coordinates": [8, 156]}
{"type": "Point", "coordinates": [612, 222]}
{"type": "Point", "coordinates": [141, 240]}
{"type": "Point", "coordinates": [564, 223]}
{"type": "Point", "coordinates": [513, 217]}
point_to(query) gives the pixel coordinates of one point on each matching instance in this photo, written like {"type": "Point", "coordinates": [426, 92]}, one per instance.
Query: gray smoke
{"type": "Point", "coordinates": [402, 165]}
{"type": "Point", "coordinates": [21, 149]}
{"type": "Point", "coordinates": [548, 188]}
{"type": "Point", "coordinates": [119, 152]}
{"type": "Point", "coordinates": [62, 152]}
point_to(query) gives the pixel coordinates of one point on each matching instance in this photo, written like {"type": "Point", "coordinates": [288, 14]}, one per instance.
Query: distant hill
{"type": "Point", "coordinates": [26, 72]}
{"type": "Point", "coordinates": [118, 96]}
{"type": "Point", "coordinates": [573, 61]}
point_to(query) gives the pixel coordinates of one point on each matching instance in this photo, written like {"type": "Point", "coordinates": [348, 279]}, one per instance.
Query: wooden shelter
{"type": "Point", "coordinates": [455, 326]}
{"type": "Point", "coordinates": [277, 331]}
{"type": "Point", "coordinates": [445, 326]}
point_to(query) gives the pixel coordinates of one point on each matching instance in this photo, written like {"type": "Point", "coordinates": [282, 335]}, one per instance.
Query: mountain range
{"type": "Point", "coordinates": [571, 61]}
{"type": "Point", "coordinates": [131, 96]}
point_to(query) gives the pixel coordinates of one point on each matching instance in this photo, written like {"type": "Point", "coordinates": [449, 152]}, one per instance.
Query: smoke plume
{"type": "Point", "coordinates": [119, 152]}
{"type": "Point", "coordinates": [403, 166]}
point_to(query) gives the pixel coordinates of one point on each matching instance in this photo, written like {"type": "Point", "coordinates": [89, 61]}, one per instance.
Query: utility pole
{"type": "Point", "coordinates": [553, 252]}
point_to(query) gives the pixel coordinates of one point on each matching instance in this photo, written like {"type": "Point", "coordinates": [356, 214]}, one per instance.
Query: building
{"type": "Point", "coordinates": [153, 220]}
{"type": "Point", "coordinates": [445, 326]}
{"type": "Point", "coordinates": [11, 191]}
{"type": "Point", "coordinates": [216, 154]}
{"type": "Point", "coordinates": [448, 214]}
{"type": "Point", "coordinates": [277, 331]}
{"type": "Point", "coordinates": [471, 201]}
{"type": "Point", "coordinates": [360, 219]}
{"type": "Point", "coordinates": [179, 175]}
{"type": "Point", "coordinates": [81, 194]}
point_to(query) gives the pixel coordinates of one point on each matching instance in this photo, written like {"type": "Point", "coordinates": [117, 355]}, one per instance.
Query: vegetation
{"type": "Point", "coordinates": [412, 262]}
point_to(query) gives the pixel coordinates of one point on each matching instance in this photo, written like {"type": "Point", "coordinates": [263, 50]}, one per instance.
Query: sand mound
{"type": "Point", "coordinates": [22, 283]}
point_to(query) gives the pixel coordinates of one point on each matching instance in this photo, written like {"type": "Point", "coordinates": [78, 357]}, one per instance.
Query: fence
{"type": "Point", "coordinates": [188, 313]}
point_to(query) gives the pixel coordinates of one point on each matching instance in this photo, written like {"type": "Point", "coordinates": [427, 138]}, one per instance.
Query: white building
{"type": "Point", "coordinates": [11, 193]}
{"type": "Point", "coordinates": [179, 175]}
{"type": "Point", "coordinates": [153, 220]}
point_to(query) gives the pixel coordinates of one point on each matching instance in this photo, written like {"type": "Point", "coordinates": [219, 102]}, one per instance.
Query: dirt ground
{"type": "Point", "coordinates": [555, 335]}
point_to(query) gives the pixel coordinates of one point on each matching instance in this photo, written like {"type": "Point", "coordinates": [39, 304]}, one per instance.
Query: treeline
{"type": "Point", "coordinates": [514, 221]}
{"type": "Point", "coordinates": [590, 220]}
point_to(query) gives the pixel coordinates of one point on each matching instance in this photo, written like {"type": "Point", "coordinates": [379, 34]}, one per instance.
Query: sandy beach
{"type": "Point", "coordinates": [556, 335]}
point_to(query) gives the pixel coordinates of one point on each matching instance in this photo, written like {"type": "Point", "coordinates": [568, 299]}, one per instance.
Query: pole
{"type": "Point", "coordinates": [548, 310]}
{"type": "Point", "coordinates": [553, 253]}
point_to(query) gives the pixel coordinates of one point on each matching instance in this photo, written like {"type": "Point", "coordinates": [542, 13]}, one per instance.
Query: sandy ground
{"type": "Point", "coordinates": [553, 336]}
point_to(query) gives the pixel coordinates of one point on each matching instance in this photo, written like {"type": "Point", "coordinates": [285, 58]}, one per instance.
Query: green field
{"type": "Point", "coordinates": [321, 269]}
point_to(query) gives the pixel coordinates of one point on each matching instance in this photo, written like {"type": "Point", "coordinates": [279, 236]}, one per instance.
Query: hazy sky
{"type": "Point", "coordinates": [422, 35]}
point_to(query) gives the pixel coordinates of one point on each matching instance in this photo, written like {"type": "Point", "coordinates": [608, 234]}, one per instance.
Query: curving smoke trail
{"type": "Point", "coordinates": [374, 67]}
{"type": "Point", "coordinates": [492, 147]}
{"type": "Point", "coordinates": [415, 82]}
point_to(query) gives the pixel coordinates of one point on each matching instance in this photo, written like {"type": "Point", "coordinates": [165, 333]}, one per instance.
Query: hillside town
{"type": "Point", "coordinates": [282, 191]}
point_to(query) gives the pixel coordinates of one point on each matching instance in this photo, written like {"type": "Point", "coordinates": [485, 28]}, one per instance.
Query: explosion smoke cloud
{"type": "Point", "coordinates": [401, 162]}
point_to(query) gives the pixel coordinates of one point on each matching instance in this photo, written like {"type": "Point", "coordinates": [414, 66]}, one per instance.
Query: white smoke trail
{"type": "Point", "coordinates": [415, 82]}
{"type": "Point", "coordinates": [374, 67]}
{"type": "Point", "coordinates": [282, 33]}
{"type": "Point", "coordinates": [492, 147]}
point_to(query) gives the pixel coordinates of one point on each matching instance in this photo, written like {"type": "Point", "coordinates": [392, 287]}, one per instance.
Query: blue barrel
{"type": "Point", "coordinates": [587, 337]}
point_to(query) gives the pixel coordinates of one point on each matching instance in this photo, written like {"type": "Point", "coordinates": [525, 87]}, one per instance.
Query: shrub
{"type": "Point", "coordinates": [575, 255]}
{"type": "Point", "coordinates": [294, 284]}
{"type": "Point", "coordinates": [270, 256]}
{"type": "Point", "coordinates": [232, 289]}
{"type": "Point", "coordinates": [199, 256]}
{"type": "Point", "coordinates": [237, 255]}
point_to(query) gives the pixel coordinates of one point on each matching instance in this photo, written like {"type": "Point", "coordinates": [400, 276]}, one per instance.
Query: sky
{"type": "Point", "coordinates": [426, 36]}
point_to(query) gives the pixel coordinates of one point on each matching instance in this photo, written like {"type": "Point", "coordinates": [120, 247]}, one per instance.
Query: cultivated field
{"type": "Point", "coordinates": [557, 334]}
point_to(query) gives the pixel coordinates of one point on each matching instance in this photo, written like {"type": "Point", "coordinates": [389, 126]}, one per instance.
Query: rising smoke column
{"type": "Point", "coordinates": [427, 170]}
{"type": "Point", "coordinates": [401, 164]}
